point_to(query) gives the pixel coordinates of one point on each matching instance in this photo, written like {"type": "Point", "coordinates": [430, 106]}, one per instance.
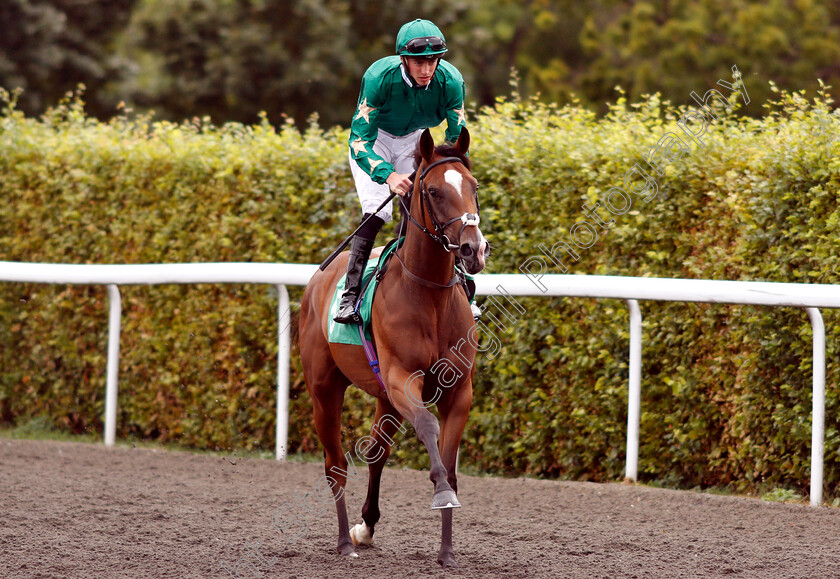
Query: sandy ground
{"type": "Point", "coordinates": [81, 510]}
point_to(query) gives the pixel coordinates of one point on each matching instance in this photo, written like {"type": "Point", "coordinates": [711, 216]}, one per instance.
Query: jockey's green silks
{"type": "Point", "coordinates": [389, 100]}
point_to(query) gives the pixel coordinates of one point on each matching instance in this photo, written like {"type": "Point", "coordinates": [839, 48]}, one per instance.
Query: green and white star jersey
{"type": "Point", "coordinates": [390, 101]}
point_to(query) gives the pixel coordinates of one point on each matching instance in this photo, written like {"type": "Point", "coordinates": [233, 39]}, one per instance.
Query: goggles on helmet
{"type": "Point", "coordinates": [419, 45]}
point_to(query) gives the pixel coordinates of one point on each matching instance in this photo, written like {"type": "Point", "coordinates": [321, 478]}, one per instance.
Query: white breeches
{"type": "Point", "coordinates": [399, 151]}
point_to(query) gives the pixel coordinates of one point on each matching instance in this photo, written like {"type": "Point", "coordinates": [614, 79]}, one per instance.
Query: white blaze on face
{"type": "Point", "coordinates": [454, 178]}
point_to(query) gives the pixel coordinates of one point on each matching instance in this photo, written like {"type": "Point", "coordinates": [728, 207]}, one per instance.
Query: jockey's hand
{"type": "Point", "coordinates": [399, 184]}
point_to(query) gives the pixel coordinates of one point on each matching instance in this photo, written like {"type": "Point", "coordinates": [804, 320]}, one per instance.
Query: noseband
{"type": "Point", "coordinates": [438, 235]}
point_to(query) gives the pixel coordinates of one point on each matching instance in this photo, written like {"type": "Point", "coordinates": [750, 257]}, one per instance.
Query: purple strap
{"type": "Point", "coordinates": [370, 353]}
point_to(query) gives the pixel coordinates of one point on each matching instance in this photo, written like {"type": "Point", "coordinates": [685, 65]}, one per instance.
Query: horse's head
{"type": "Point", "coordinates": [448, 200]}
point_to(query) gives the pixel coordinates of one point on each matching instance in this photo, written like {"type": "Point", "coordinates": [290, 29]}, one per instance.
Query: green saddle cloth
{"type": "Point", "coordinates": [349, 333]}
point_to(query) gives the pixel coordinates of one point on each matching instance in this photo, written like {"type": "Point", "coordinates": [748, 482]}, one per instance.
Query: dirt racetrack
{"type": "Point", "coordinates": [81, 510]}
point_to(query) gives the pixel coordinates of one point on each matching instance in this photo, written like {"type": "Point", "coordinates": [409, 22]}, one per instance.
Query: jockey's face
{"type": "Point", "coordinates": [420, 69]}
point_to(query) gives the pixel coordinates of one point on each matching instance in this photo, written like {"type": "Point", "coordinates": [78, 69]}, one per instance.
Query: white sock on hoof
{"type": "Point", "coordinates": [360, 535]}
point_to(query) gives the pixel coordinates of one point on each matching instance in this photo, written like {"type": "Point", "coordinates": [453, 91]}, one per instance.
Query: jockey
{"type": "Point", "coordinates": [400, 97]}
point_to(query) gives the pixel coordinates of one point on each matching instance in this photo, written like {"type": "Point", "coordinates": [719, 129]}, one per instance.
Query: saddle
{"type": "Point", "coordinates": [360, 335]}
{"type": "Point", "coordinates": [374, 271]}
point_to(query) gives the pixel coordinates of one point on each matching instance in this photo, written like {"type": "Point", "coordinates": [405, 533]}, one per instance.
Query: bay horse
{"type": "Point", "coordinates": [423, 330]}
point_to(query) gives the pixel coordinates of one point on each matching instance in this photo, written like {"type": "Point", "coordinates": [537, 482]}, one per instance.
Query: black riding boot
{"type": "Point", "coordinates": [359, 254]}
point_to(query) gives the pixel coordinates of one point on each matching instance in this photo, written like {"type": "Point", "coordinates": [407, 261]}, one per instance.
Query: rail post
{"type": "Point", "coordinates": [113, 368]}
{"type": "Point", "coordinates": [284, 343]}
{"type": "Point", "coordinates": [817, 407]}
{"type": "Point", "coordinates": [634, 391]}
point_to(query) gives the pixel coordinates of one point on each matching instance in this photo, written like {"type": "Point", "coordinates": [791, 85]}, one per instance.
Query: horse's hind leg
{"type": "Point", "coordinates": [375, 451]}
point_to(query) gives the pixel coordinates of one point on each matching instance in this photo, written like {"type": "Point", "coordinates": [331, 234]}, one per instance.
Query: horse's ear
{"type": "Point", "coordinates": [427, 145]}
{"type": "Point", "coordinates": [463, 142]}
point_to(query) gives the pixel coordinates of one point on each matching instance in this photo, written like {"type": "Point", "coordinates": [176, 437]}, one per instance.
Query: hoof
{"type": "Point", "coordinates": [348, 551]}
{"type": "Point", "coordinates": [445, 500]}
{"type": "Point", "coordinates": [360, 534]}
{"type": "Point", "coordinates": [447, 562]}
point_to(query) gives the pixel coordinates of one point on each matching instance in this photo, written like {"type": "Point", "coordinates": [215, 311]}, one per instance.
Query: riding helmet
{"type": "Point", "coordinates": [420, 38]}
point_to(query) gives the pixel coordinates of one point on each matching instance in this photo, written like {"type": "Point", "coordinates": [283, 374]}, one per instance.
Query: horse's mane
{"type": "Point", "coordinates": [444, 150]}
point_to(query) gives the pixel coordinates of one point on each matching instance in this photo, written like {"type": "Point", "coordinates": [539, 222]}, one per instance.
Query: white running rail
{"type": "Point", "coordinates": [112, 276]}
{"type": "Point", "coordinates": [631, 289]}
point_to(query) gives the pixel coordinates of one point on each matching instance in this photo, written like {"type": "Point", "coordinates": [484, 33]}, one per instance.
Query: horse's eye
{"type": "Point", "coordinates": [433, 192]}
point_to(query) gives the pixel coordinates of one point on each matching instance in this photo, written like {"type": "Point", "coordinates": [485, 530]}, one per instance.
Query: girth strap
{"type": "Point", "coordinates": [373, 361]}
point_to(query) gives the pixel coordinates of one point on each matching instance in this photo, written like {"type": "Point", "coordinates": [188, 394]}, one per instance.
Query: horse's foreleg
{"type": "Point", "coordinates": [454, 410]}
{"type": "Point", "coordinates": [375, 451]}
{"type": "Point", "coordinates": [405, 394]}
{"type": "Point", "coordinates": [428, 431]}
{"type": "Point", "coordinates": [327, 410]}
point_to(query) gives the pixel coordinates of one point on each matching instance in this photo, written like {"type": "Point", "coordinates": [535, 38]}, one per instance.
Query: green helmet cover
{"type": "Point", "coordinates": [419, 29]}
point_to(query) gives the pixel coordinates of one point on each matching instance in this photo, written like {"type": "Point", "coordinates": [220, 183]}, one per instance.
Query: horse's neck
{"type": "Point", "coordinates": [423, 256]}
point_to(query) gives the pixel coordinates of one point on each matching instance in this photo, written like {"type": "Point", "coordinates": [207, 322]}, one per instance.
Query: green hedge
{"type": "Point", "coordinates": [726, 390]}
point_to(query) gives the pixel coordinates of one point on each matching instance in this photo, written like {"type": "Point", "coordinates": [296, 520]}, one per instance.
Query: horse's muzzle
{"type": "Point", "coordinates": [474, 253]}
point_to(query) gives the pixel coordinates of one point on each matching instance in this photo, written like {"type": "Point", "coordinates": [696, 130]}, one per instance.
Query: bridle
{"type": "Point", "coordinates": [438, 235]}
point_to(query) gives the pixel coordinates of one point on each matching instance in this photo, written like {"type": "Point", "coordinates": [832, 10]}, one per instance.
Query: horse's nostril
{"type": "Point", "coordinates": [466, 250]}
